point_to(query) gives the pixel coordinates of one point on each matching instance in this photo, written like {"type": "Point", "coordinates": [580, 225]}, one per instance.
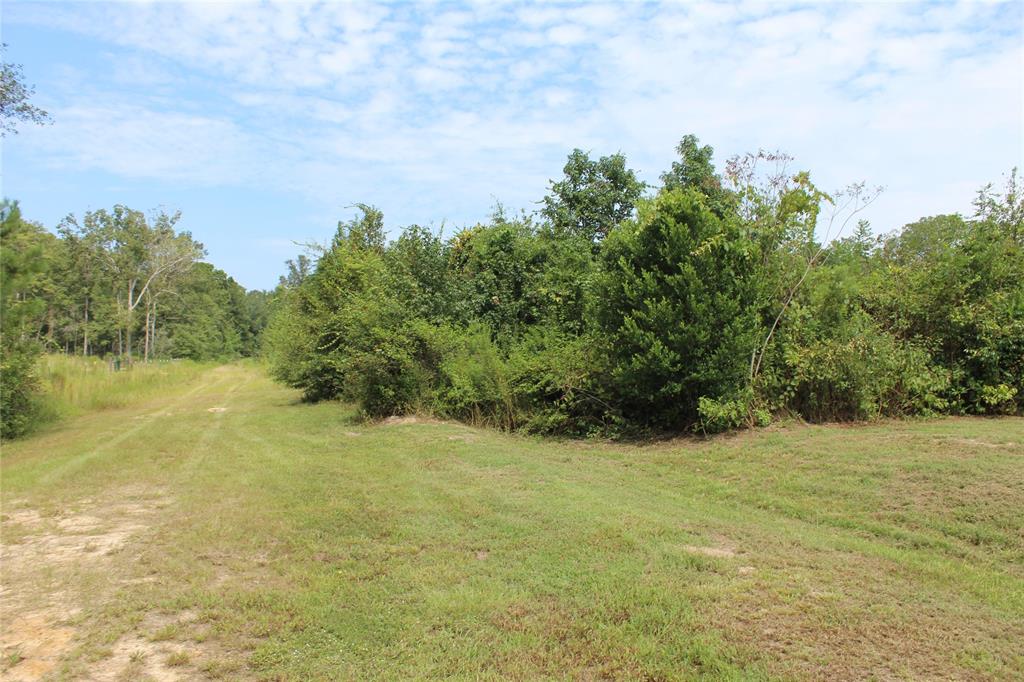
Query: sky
{"type": "Point", "coordinates": [264, 123]}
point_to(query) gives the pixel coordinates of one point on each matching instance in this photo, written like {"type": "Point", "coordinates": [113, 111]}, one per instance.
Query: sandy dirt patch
{"type": "Point", "coordinates": [40, 556]}
{"type": "Point", "coordinates": [717, 552]}
{"type": "Point", "coordinates": [145, 654]}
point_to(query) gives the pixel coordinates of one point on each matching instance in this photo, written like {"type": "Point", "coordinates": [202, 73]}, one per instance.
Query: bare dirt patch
{"type": "Point", "coordinates": [67, 538]}
{"type": "Point", "coordinates": [42, 558]}
{"type": "Point", "coordinates": [975, 443]}
{"type": "Point", "coordinates": [718, 547]}
{"type": "Point", "coordinates": [464, 438]}
{"type": "Point", "coordinates": [32, 644]}
{"type": "Point", "coordinates": [716, 552]}
{"type": "Point", "coordinates": [153, 656]}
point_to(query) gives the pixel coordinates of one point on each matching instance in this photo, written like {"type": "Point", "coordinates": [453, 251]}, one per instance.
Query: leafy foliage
{"type": "Point", "coordinates": [956, 288]}
{"type": "Point", "coordinates": [21, 268]}
{"type": "Point", "coordinates": [676, 306]}
{"type": "Point", "coordinates": [710, 305]}
{"type": "Point", "coordinates": [115, 283]}
{"type": "Point", "coordinates": [14, 99]}
{"type": "Point", "coordinates": [593, 197]}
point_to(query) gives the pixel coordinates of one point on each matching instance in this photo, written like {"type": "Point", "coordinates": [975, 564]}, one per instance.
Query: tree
{"type": "Point", "coordinates": [1006, 211]}
{"type": "Point", "coordinates": [494, 271]}
{"type": "Point", "coordinates": [21, 264]}
{"type": "Point", "coordinates": [204, 316]}
{"type": "Point", "coordinates": [780, 212]}
{"type": "Point", "coordinates": [593, 197]}
{"type": "Point", "coordinates": [83, 279]}
{"type": "Point", "coordinates": [366, 231]}
{"type": "Point", "coordinates": [14, 96]}
{"type": "Point", "coordinates": [956, 287]}
{"type": "Point", "coordinates": [320, 322]}
{"type": "Point", "coordinates": [676, 307]}
{"type": "Point", "coordinates": [140, 261]}
{"type": "Point", "coordinates": [298, 270]}
{"type": "Point", "coordinates": [696, 170]}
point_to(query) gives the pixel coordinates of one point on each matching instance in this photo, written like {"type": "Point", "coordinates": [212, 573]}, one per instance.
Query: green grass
{"type": "Point", "coordinates": [76, 384]}
{"type": "Point", "coordinates": [283, 541]}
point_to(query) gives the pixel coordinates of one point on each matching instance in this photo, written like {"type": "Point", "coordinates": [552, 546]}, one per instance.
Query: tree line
{"type": "Point", "coordinates": [115, 283]}
{"type": "Point", "coordinates": [712, 301]}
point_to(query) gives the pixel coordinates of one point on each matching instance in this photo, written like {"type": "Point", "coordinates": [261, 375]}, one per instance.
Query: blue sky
{"type": "Point", "coordinates": [263, 123]}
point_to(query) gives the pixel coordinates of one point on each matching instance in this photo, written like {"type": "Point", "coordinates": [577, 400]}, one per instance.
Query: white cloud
{"type": "Point", "coordinates": [450, 104]}
{"type": "Point", "coordinates": [566, 34]}
{"type": "Point", "coordinates": [137, 142]}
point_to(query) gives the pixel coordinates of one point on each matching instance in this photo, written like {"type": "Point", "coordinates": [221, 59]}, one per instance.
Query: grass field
{"type": "Point", "coordinates": [73, 385]}
{"type": "Point", "coordinates": [221, 529]}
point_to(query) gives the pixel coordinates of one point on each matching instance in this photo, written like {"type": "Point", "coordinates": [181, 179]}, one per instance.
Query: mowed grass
{"type": "Point", "coordinates": [288, 541]}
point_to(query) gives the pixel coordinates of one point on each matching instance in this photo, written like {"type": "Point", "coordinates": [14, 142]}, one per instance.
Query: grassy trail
{"type": "Point", "coordinates": [223, 530]}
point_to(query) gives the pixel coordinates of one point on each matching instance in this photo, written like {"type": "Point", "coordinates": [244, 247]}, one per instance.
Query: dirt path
{"type": "Point", "coordinates": [57, 566]}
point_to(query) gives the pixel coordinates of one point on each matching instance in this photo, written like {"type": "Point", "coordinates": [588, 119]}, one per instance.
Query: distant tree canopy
{"type": "Point", "coordinates": [116, 283]}
{"type": "Point", "coordinates": [715, 301]}
{"type": "Point", "coordinates": [593, 197]}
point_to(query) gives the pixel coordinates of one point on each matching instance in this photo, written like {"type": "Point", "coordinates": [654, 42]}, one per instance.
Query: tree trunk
{"type": "Point", "coordinates": [49, 327]}
{"type": "Point", "coordinates": [128, 326]}
{"type": "Point", "coordinates": [154, 327]}
{"type": "Point", "coordinates": [85, 333]}
{"type": "Point", "coordinates": [145, 352]}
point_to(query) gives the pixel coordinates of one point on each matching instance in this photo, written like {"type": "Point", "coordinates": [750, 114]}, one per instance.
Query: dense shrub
{"type": "Point", "coordinates": [861, 375]}
{"type": "Point", "coordinates": [475, 382]}
{"type": "Point", "coordinates": [712, 306]}
{"type": "Point", "coordinates": [677, 307]}
{"type": "Point", "coordinates": [558, 380]}
{"type": "Point", "coordinates": [832, 361]}
{"type": "Point", "coordinates": [21, 265]}
{"type": "Point", "coordinates": [956, 289]}
{"type": "Point", "coordinates": [19, 390]}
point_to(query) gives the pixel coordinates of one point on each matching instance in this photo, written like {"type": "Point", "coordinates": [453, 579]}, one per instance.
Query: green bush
{"type": "Point", "coordinates": [19, 391]}
{"type": "Point", "coordinates": [555, 378]}
{"type": "Point", "coordinates": [676, 306]}
{"type": "Point", "coordinates": [956, 289]}
{"type": "Point", "coordinates": [714, 308]}
{"type": "Point", "coordinates": [475, 382]}
{"type": "Point", "coordinates": [22, 263]}
{"type": "Point", "coordinates": [865, 376]}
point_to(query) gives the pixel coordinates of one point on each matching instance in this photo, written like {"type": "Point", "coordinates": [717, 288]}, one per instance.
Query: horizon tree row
{"type": "Point", "coordinates": [119, 282]}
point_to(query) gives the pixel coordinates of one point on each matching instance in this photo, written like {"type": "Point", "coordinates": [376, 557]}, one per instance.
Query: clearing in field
{"type": "Point", "coordinates": [224, 530]}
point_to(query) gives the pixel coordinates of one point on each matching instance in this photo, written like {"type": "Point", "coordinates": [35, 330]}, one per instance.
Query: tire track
{"type": "Point", "coordinates": [201, 450]}
{"type": "Point", "coordinates": [146, 420]}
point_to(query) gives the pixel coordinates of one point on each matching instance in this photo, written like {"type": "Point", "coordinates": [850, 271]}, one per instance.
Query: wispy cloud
{"type": "Point", "coordinates": [431, 110]}
{"type": "Point", "coordinates": [139, 142]}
